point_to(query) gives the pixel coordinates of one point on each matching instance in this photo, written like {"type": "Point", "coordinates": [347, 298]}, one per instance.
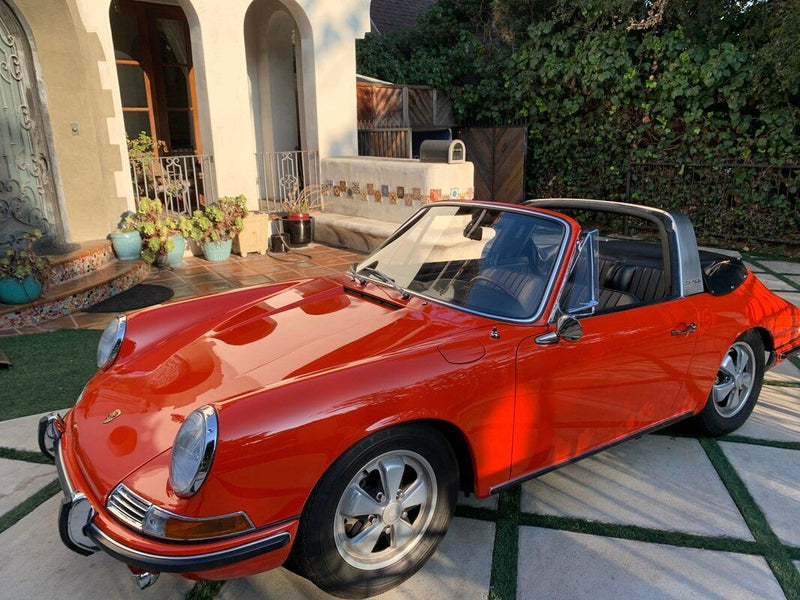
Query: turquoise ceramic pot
{"type": "Point", "coordinates": [218, 251]}
{"type": "Point", "coordinates": [128, 246]}
{"type": "Point", "coordinates": [175, 256]}
{"type": "Point", "coordinates": [20, 291]}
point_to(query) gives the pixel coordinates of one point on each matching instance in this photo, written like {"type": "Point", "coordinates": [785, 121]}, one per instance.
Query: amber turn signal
{"type": "Point", "coordinates": [174, 527]}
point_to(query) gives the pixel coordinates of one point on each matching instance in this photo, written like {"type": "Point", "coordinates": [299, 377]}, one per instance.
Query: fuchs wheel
{"type": "Point", "coordinates": [736, 387]}
{"type": "Point", "coordinates": [378, 513]}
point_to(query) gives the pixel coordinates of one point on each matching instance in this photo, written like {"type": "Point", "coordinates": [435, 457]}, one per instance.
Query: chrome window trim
{"type": "Point", "coordinates": [523, 211]}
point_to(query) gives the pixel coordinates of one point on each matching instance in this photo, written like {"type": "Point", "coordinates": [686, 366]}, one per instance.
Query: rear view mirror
{"type": "Point", "coordinates": [569, 329]}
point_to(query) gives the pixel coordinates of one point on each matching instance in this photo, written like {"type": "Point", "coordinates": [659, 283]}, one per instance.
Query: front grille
{"type": "Point", "coordinates": [128, 507]}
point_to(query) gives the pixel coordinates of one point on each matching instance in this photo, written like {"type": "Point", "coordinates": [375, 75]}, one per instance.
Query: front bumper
{"type": "Point", "coordinates": [81, 532]}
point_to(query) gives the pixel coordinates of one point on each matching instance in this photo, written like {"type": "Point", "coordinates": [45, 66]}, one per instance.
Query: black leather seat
{"type": "Point", "coordinates": [610, 300]}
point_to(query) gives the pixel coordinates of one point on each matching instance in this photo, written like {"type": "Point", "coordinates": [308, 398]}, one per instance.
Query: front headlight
{"type": "Point", "coordinates": [111, 341]}
{"type": "Point", "coordinates": [193, 451]}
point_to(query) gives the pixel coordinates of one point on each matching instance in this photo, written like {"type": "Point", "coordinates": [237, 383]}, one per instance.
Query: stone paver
{"type": "Point", "coordinates": [754, 268]}
{"type": "Point", "coordinates": [656, 481]}
{"type": "Point", "coordinates": [785, 371]}
{"type": "Point", "coordinates": [776, 416]}
{"type": "Point", "coordinates": [791, 297]}
{"type": "Point", "coordinates": [775, 283]}
{"type": "Point", "coordinates": [472, 500]}
{"type": "Point", "coordinates": [566, 565]}
{"type": "Point", "coordinates": [461, 569]}
{"type": "Point", "coordinates": [19, 480]}
{"type": "Point", "coordinates": [782, 266]}
{"type": "Point", "coordinates": [34, 563]}
{"type": "Point", "coordinates": [22, 433]}
{"type": "Point", "coordinates": [771, 476]}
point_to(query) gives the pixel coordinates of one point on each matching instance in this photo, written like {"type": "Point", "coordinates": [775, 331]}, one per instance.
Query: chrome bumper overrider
{"type": "Point", "coordinates": [80, 534]}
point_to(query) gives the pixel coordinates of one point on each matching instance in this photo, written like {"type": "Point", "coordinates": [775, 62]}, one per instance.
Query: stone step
{"type": "Point", "coordinates": [75, 294]}
{"type": "Point", "coordinates": [90, 257]}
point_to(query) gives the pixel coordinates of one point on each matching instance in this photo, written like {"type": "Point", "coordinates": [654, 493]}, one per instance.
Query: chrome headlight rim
{"type": "Point", "coordinates": [115, 330]}
{"type": "Point", "coordinates": [210, 430]}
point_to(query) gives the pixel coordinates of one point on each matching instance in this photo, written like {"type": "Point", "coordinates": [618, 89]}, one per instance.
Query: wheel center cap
{"type": "Point", "coordinates": [392, 513]}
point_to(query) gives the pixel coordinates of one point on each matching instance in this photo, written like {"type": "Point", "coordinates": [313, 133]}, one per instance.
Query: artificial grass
{"type": "Point", "coordinates": [505, 555]}
{"type": "Point", "coordinates": [204, 590]}
{"type": "Point", "coordinates": [24, 455]}
{"type": "Point", "coordinates": [777, 555]}
{"type": "Point", "coordinates": [24, 509]}
{"type": "Point", "coordinates": [642, 534]}
{"type": "Point", "coordinates": [50, 370]}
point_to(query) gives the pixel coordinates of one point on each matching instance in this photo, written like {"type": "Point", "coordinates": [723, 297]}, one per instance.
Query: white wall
{"type": "Point", "coordinates": [328, 29]}
{"type": "Point", "coordinates": [431, 181]}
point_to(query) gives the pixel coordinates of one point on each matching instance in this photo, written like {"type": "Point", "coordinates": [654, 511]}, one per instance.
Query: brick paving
{"type": "Point", "coordinates": [198, 277]}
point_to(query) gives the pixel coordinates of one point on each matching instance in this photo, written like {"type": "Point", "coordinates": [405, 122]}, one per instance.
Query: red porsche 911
{"type": "Point", "coordinates": [334, 420]}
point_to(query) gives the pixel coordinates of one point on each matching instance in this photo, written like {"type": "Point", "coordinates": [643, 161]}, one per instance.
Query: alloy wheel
{"type": "Point", "coordinates": [385, 510]}
{"type": "Point", "coordinates": [735, 380]}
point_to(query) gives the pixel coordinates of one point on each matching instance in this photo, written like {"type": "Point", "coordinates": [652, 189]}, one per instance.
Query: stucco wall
{"type": "Point", "coordinates": [75, 50]}
{"type": "Point", "coordinates": [87, 165]}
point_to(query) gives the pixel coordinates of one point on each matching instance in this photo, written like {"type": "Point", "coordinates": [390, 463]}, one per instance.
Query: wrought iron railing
{"type": "Point", "coordinates": [182, 183]}
{"type": "Point", "coordinates": [280, 172]}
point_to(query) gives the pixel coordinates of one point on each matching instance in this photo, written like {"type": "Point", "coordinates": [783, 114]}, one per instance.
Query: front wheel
{"type": "Point", "coordinates": [378, 513]}
{"type": "Point", "coordinates": [736, 387]}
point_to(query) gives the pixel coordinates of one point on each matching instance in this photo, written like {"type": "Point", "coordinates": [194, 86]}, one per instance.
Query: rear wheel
{"type": "Point", "coordinates": [378, 513]}
{"type": "Point", "coordinates": [736, 387]}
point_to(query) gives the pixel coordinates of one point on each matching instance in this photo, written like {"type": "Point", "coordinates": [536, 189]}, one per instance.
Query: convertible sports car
{"type": "Point", "coordinates": [331, 422]}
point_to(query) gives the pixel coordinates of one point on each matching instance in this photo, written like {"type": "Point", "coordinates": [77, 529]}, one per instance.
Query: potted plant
{"type": "Point", "coordinates": [215, 226]}
{"type": "Point", "coordinates": [298, 222]}
{"type": "Point", "coordinates": [163, 238]}
{"type": "Point", "coordinates": [22, 272]}
{"type": "Point", "coordinates": [126, 240]}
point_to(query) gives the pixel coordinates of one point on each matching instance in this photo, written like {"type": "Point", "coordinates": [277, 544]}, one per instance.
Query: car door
{"type": "Point", "coordinates": [625, 374]}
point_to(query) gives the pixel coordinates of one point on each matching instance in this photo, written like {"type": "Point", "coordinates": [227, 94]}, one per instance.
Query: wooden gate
{"type": "Point", "coordinates": [498, 154]}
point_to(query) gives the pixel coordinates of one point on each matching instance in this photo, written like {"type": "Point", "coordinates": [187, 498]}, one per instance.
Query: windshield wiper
{"type": "Point", "coordinates": [383, 277]}
{"type": "Point", "coordinates": [353, 273]}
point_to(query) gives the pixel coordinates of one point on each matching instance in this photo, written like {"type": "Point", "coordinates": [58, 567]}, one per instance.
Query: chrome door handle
{"type": "Point", "coordinates": [691, 328]}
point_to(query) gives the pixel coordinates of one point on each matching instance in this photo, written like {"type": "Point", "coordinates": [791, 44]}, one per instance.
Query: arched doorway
{"type": "Point", "coordinates": [28, 197]}
{"type": "Point", "coordinates": [275, 63]}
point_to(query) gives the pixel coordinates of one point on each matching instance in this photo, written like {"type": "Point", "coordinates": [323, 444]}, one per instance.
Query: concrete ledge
{"type": "Point", "coordinates": [356, 233]}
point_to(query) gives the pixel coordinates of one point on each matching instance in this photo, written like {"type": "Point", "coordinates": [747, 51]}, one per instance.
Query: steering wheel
{"type": "Point", "coordinates": [500, 287]}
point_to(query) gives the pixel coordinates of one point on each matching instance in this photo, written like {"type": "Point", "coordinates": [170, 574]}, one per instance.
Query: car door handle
{"type": "Point", "coordinates": [690, 328]}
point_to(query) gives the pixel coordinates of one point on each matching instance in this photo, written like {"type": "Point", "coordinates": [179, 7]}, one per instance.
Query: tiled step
{"type": "Point", "coordinates": [91, 256]}
{"type": "Point", "coordinates": [75, 294]}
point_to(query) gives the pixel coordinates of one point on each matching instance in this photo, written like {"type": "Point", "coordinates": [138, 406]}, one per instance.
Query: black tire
{"type": "Point", "coordinates": [315, 554]}
{"type": "Point", "coordinates": [710, 421]}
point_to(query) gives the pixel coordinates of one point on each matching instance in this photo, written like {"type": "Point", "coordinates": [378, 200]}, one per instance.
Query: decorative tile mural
{"type": "Point", "coordinates": [382, 192]}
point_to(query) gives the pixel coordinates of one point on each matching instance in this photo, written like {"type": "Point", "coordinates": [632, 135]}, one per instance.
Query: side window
{"type": "Point", "coordinates": [582, 289]}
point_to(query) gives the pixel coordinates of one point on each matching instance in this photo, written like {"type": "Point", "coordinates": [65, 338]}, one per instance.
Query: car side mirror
{"type": "Point", "coordinates": [569, 329]}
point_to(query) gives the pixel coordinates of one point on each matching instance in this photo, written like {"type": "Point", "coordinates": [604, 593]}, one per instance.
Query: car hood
{"type": "Point", "coordinates": [299, 331]}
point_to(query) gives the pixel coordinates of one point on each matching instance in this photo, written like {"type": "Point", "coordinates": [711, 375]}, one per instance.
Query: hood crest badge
{"type": "Point", "coordinates": [112, 415]}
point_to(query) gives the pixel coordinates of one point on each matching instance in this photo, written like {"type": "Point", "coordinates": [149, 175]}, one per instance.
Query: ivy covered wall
{"type": "Point", "coordinates": [603, 84]}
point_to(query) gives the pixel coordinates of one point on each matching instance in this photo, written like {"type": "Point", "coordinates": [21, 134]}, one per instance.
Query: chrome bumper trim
{"type": "Point", "coordinates": [185, 564]}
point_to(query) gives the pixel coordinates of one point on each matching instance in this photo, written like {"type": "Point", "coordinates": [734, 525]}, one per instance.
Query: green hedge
{"type": "Point", "coordinates": [701, 82]}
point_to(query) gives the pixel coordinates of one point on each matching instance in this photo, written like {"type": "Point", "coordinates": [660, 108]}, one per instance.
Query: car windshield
{"type": "Point", "coordinates": [487, 260]}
